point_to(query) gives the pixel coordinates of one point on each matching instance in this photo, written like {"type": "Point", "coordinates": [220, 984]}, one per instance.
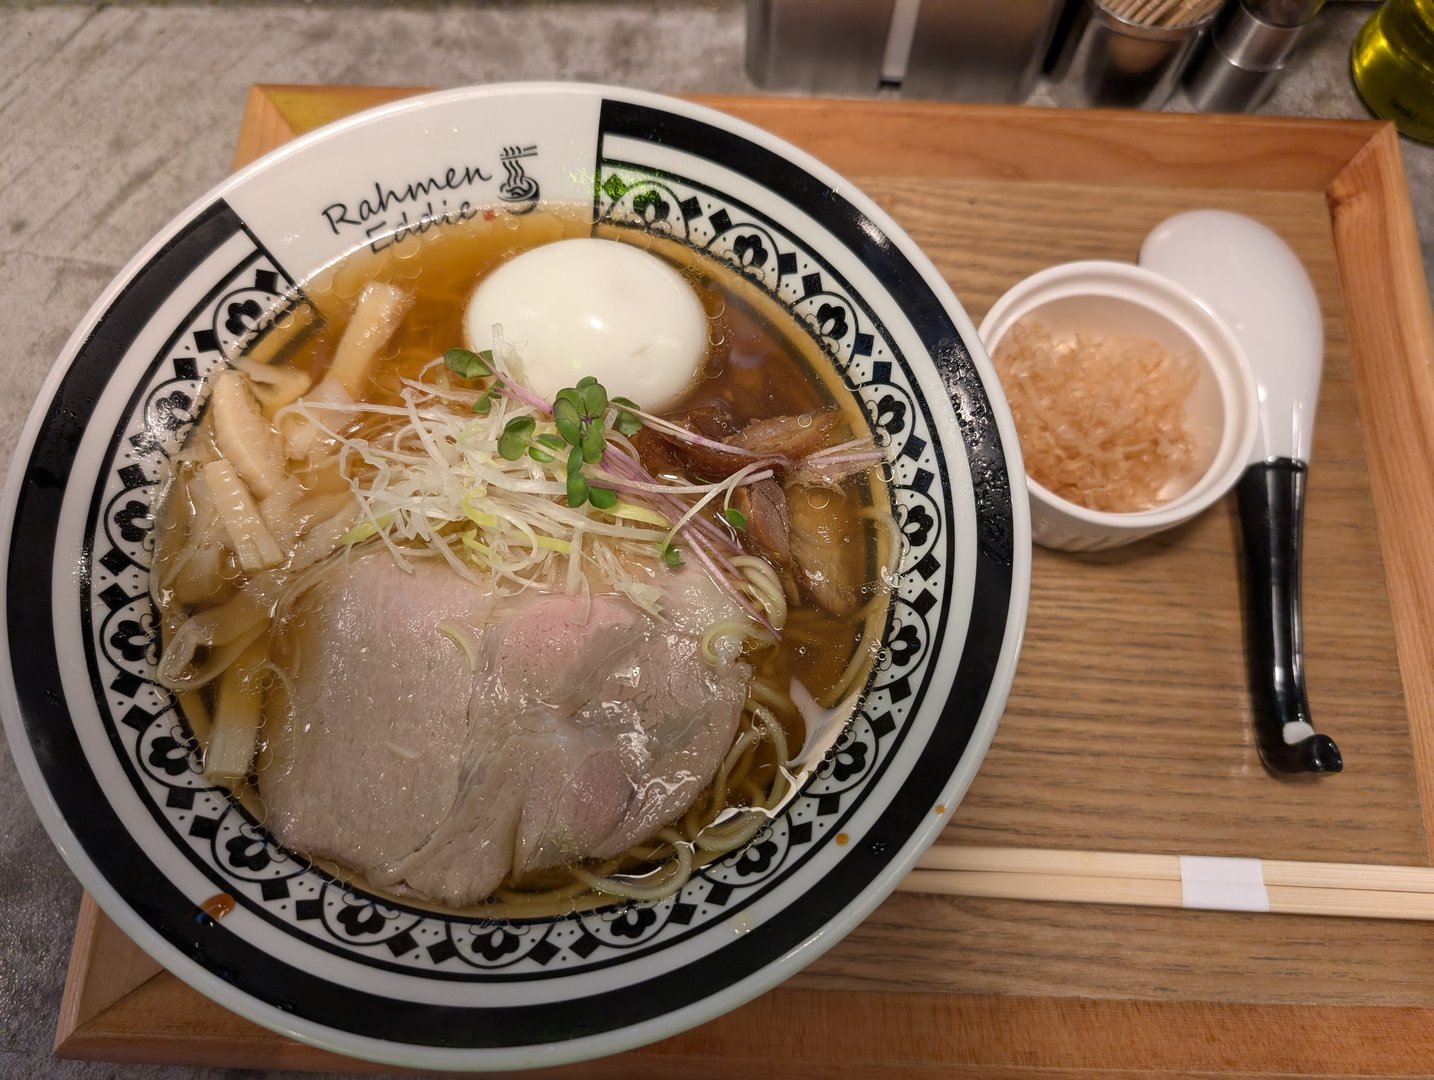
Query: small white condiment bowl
{"type": "Point", "coordinates": [1099, 298]}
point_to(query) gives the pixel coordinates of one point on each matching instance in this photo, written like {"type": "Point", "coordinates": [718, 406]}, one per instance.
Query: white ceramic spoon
{"type": "Point", "coordinates": [1251, 279]}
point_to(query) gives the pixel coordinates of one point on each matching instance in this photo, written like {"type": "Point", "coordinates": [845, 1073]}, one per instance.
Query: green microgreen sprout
{"type": "Point", "coordinates": [670, 555]}
{"type": "Point", "coordinates": [517, 432]}
{"type": "Point", "coordinates": [552, 442]}
{"type": "Point", "coordinates": [625, 420]}
{"type": "Point", "coordinates": [578, 490]}
{"type": "Point", "coordinates": [580, 413]}
{"type": "Point", "coordinates": [467, 364]}
{"type": "Point", "coordinates": [735, 518]}
{"type": "Point", "coordinates": [602, 498]}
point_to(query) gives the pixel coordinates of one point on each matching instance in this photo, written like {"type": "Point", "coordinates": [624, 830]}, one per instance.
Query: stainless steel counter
{"type": "Point", "coordinates": [117, 117]}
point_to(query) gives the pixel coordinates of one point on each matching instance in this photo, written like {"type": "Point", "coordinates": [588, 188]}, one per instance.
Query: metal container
{"type": "Point", "coordinates": [1246, 51]}
{"type": "Point", "coordinates": [1110, 61]}
{"type": "Point", "coordinates": [818, 46]}
{"type": "Point", "coordinates": [965, 50]}
{"type": "Point", "coordinates": [979, 50]}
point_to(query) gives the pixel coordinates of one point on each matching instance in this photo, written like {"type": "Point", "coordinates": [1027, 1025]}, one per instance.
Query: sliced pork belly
{"type": "Point", "coordinates": [442, 737]}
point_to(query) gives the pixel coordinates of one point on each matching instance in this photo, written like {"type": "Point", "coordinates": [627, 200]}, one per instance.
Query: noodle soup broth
{"type": "Point", "coordinates": [760, 363]}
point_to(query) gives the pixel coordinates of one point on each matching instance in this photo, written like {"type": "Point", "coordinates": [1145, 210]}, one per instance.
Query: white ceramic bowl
{"type": "Point", "coordinates": [1103, 298]}
{"type": "Point", "coordinates": [110, 762]}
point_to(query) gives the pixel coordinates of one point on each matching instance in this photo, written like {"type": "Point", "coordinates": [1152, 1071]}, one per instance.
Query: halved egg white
{"type": "Point", "coordinates": [594, 307]}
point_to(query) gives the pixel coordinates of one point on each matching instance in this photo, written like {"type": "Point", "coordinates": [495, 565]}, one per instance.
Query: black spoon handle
{"type": "Point", "coordinates": [1272, 498]}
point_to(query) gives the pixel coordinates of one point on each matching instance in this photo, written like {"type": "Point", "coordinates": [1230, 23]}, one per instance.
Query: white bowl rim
{"type": "Point", "coordinates": [1236, 381]}
{"type": "Point", "coordinates": [437, 1057]}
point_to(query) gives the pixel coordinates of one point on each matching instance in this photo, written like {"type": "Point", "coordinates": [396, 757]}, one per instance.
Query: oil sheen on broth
{"type": "Point", "coordinates": [760, 363]}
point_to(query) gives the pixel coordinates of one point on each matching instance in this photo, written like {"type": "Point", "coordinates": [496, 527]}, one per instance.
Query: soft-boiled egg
{"type": "Point", "coordinates": [593, 307]}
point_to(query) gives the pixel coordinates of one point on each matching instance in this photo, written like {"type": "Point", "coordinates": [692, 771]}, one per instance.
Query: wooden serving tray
{"type": "Point", "coordinates": [1128, 726]}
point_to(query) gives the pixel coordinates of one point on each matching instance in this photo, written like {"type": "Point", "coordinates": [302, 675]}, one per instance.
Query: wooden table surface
{"type": "Point", "coordinates": [1128, 725]}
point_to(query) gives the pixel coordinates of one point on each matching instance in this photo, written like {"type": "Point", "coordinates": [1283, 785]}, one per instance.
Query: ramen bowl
{"type": "Point", "coordinates": [192, 875]}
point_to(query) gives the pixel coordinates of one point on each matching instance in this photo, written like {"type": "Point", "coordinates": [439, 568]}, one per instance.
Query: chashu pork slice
{"type": "Point", "coordinates": [437, 737]}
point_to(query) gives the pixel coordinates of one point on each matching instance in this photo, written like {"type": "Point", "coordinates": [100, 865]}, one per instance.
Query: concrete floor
{"type": "Point", "coordinates": [118, 116]}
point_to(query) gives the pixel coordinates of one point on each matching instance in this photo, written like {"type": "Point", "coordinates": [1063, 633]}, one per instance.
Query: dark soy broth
{"type": "Point", "coordinates": [761, 363]}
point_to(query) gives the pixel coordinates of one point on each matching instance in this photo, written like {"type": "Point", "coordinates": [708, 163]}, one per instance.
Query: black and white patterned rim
{"type": "Point", "coordinates": [152, 744]}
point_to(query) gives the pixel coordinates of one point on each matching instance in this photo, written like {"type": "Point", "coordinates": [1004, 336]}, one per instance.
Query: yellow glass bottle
{"type": "Point", "coordinates": [1393, 66]}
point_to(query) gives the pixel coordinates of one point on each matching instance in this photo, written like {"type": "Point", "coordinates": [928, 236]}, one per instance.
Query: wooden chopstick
{"type": "Point", "coordinates": [1355, 890]}
{"type": "Point", "coordinates": [1167, 867]}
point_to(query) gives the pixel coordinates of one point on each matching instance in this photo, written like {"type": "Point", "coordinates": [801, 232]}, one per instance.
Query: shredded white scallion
{"type": "Point", "coordinates": [463, 637]}
{"type": "Point", "coordinates": [722, 641]}
{"type": "Point", "coordinates": [428, 474]}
